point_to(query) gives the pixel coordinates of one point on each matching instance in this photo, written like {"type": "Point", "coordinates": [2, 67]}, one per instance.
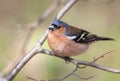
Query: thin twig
{"type": "Point", "coordinates": [18, 67]}
{"type": "Point", "coordinates": [82, 78]}
{"type": "Point", "coordinates": [71, 73]}
{"type": "Point", "coordinates": [31, 78]}
{"type": "Point", "coordinates": [82, 62]}
{"type": "Point", "coordinates": [46, 14]}
{"type": "Point", "coordinates": [31, 27]}
{"type": "Point", "coordinates": [39, 49]}
{"type": "Point", "coordinates": [60, 14]}
{"type": "Point", "coordinates": [95, 59]}
{"type": "Point", "coordinates": [66, 8]}
{"type": "Point", "coordinates": [59, 79]}
{"type": "Point", "coordinates": [101, 56]}
{"type": "Point", "coordinates": [33, 51]}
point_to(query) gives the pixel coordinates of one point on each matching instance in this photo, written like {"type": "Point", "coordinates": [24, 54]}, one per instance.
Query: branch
{"type": "Point", "coordinates": [60, 14]}
{"type": "Point", "coordinates": [77, 63]}
{"type": "Point", "coordinates": [96, 59]}
{"type": "Point", "coordinates": [59, 79]}
{"type": "Point", "coordinates": [82, 62]}
{"type": "Point", "coordinates": [37, 47]}
{"type": "Point", "coordinates": [32, 26]}
{"type": "Point", "coordinates": [62, 78]}
{"type": "Point", "coordinates": [65, 8]}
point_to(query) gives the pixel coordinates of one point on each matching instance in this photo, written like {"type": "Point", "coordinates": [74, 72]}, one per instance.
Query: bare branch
{"type": "Point", "coordinates": [35, 50]}
{"type": "Point", "coordinates": [65, 8]}
{"type": "Point", "coordinates": [96, 59]}
{"type": "Point", "coordinates": [82, 62]}
{"type": "Point", "coordinates": [45, 15]}
{"type": "Point", "coordinates": [31, 27]}
{"type": "Point", "coordinates": [83, 78]}
{"type": "Point", "coordinates": [62, 78]}
{"type": "Point", "coordinates": [71, 73]}
{"type": "Point", "coordinates": [31, 78]}
{"type": "Point", "coordinates": [59, 79]}
{"type": "Point", "coordinates": [22, 63]}
{"type": "Point", "coordinates": [60, 14]}
{"type": "Point", "coordinates": [38, 49]}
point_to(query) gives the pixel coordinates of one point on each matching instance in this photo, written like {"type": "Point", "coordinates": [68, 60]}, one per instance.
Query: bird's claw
{"type": "Point", "coordinates": [67, 59]}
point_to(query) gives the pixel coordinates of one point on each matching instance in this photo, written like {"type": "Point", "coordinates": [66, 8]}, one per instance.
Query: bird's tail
{"type": "Point", "coordinates": [93, 38]}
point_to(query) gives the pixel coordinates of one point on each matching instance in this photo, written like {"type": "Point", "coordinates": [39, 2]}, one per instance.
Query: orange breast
{"type": "Point", "coordinates": [62, 46]}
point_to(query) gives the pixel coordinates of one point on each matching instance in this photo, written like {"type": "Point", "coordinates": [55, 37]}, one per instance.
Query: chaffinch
{"type": "Point", "coordinates": [66, 40]}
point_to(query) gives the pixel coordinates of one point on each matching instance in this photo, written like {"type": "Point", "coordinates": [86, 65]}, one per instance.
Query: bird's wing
{"type": "Point", "coordinates": [83, 36]}
{"type": "Point", "coordinates": [77, 35]}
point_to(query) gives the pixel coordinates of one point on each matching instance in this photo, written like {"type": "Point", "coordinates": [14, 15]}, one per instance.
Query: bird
{"type": "Point", "coordinates": [66, 40]}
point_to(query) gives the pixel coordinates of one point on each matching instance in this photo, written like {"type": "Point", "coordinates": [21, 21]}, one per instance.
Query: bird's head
{"type": "Point", "coordinates": [57, 24]}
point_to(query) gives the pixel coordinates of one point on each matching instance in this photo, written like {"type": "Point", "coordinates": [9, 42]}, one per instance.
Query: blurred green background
{"type": "Point", "coordinates": [101, 17]}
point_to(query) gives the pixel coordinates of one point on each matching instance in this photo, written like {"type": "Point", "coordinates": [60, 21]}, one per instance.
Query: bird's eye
{"type": "Point", "coordinates": [56, 26]}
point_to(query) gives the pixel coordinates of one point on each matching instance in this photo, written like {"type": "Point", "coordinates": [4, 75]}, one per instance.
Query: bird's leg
{"type": "Point", "coordinates": [67, 59]}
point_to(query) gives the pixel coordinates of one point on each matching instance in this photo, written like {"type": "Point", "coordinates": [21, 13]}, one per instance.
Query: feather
{"type": "Point", "coordinates": [83, 36]}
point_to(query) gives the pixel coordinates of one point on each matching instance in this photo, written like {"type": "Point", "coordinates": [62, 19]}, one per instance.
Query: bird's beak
{"type": "Point", "coordinates": [51, 27]}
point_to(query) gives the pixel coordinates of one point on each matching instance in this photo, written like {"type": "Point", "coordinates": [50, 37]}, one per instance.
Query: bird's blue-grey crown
{"type": "Point", "coordinates": [56, 24]}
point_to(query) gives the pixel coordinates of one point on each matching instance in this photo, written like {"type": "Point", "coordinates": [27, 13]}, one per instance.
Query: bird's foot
{"type": "Point", "coordinates": [67, 59]}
